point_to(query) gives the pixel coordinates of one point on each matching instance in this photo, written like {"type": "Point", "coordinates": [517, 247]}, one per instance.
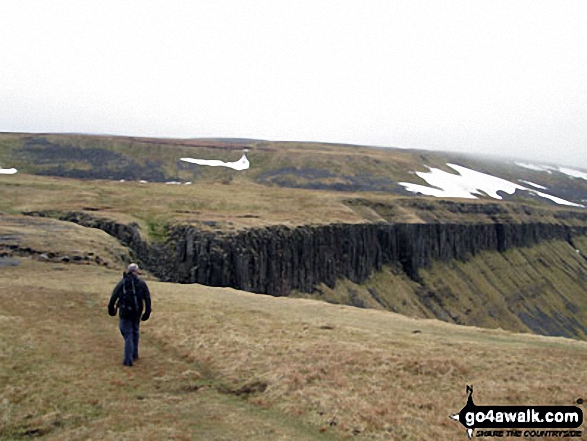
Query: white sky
{"type": "Point", "coordinates": [504, 77]}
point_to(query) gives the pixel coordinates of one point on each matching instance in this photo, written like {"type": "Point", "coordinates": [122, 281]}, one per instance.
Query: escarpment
{"type": "Point", "coordinates": [524, 277]}
{"type": "Point", "coordinates": [278, 259]}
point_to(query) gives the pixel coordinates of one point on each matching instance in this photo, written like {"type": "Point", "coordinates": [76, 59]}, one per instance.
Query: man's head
{"type": "Point", "coordinates": [133, 268]}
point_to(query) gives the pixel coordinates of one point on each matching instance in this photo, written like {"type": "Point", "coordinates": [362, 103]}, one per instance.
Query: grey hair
{"type": "Point", "coordinates": [133, 267]}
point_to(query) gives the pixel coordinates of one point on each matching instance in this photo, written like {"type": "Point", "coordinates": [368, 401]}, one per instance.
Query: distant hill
{"type": "Point", "coordinates": [313, 166]}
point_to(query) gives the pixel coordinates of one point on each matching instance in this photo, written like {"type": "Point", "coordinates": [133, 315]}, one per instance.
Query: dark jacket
{"type": "Point", "coordinates": [142, 293]}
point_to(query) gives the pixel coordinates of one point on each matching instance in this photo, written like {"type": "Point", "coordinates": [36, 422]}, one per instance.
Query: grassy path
{"type": "Point", "coordinates": [331, 371]}
{"type": "Point", "coordinates": [61, 375]}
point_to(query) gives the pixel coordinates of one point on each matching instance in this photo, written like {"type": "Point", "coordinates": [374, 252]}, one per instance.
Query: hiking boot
{"type": "Point", "coordinates": [127, 364]}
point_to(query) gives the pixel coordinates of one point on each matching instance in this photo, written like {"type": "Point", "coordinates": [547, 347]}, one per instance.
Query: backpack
{"type": "Point", "coordinates": [128, 303]}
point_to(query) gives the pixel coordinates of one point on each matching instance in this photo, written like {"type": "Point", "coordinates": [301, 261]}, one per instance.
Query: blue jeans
{"type": "Point", "coordinates": [129, 328]}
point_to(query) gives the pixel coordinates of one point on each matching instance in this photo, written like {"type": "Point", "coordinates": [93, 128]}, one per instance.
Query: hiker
{"type": "Point", "coordinates": [128, 297]}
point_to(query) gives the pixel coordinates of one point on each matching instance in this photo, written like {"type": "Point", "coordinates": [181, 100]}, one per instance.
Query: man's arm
{"type": "Point", "coordinates": [147, 300]}
{"type": "Point", "coordinates": [113, 298]}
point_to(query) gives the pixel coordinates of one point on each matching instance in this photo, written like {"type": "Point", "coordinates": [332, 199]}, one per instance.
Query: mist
{"type": "Point", "coordinates": [493, 77]}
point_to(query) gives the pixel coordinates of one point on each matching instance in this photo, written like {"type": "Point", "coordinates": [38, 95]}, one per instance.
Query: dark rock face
{"type": "Point", "coordinates": [276, 260]}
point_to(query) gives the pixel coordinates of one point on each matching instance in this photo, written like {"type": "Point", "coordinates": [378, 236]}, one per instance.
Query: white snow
{"type": "Point", "coordinates": [469, 183]}
{"type": "Point", "coordinates": [572, 172]}
{"type": "Point", "coordinates": [533, 184]}
{"type": "Point", "coordinates": [546, 168]}
{"type": "Point", "coordinates": [549, 169]}
{"type": "Point", "coordinates": [439, 193]}
{"type": "Point", "coordinates": [173, 183]}
{"type": "Point", "coordinates": [555, 199]}
{"type": "Point", "coordinates": [7, 171]}
{"type": "Point", "coordinates": [241, 164]}
{"type": "Point", "coordinates": [466, 184]}
{"type": "Point", "coordinates": [143, 182]}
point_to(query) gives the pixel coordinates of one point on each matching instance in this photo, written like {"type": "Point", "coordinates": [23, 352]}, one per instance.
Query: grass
{"type": "Point", "coordinates": [158, 231]}
{"type": "Point", "coordinates": [49, 153]}
{"type": "Point", "coordinates": [328, 371]}
{"type": "Point", "coordinates": [238, 205]}
{"type": "Point", "coordinates": [61, 375]}
{"type": "Point", "coordinates": [220, 364]}
{"type": "Point", "coordinates": [242, 204]}
{"type": "Point", "coordinates": [533, 289]}
{"type": "Point", "coordinates": [37, 236]}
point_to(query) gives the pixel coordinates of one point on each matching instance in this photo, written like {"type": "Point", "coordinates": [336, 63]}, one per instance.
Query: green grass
{"type": "Point", "coordinates": [491, 290]}
{"type": "Point", "coordinates": [158, 230]}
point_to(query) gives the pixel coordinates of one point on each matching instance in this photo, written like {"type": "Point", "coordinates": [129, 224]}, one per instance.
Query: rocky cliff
{"type": "Point", "coordinates": [278, 259]}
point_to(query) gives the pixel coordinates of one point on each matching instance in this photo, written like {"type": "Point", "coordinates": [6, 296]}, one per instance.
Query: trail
{"type": "Point", "coordinates": [61, 376]}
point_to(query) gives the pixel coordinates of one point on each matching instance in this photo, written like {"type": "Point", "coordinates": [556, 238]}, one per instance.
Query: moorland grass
{"type": "Point", "coordinates": [61, 373]}
{"type": "Point", "coordinates": [222, 364]}
{"type": "Point", "coordinates": [528, 289]}
{"type": "Point", "coordinates": [244, 204]}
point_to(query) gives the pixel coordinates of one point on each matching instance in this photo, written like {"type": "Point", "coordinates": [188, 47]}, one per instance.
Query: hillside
{"type": "Point", "coordinates": [313, 166]}
{"type": "Point", "coordinates": [383, 354]}
{"type": "Point", "coordinates": [220, 364]}
{"type": "Point", "coordinates": [338, 240]}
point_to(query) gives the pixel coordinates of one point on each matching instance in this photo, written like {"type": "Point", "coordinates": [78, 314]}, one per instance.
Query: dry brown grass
{"type": "Point", "coordinates": [363, 370]}
{"type": "Point", "coordinates": [329, 371]}
{"type": "Point", "coordinates": [221, 364]}
{"type": "Point", "coordinates": [35, 237]}
{"type": "Point", "coordinates": [241, 204]}
{"type": "Point", "coordinates": [61, 375]}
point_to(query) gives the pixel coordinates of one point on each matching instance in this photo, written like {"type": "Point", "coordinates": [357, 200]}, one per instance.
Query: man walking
{"type": "Point", "coordinates": [129, 297]}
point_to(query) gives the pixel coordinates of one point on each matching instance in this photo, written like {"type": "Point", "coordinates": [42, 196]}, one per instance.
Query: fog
{"type": "Point", "coordinates": [497, 77]}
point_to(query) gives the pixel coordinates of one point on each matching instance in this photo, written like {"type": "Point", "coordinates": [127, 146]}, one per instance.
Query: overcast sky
{"type": "Point", "coordinates": [504, 77]}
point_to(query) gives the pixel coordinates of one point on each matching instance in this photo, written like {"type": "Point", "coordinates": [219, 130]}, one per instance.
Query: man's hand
{"type": "Point", "coordinates": [145, 316]}
{"type": "Point", "coordinates": [112, 311]}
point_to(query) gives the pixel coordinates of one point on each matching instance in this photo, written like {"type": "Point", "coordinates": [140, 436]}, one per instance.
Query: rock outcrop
{"type": "Point", "coordinates": [276, 260]}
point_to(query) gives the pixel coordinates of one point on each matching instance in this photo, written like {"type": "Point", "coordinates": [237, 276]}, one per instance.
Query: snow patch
{"type": "Point", "coordinates": [469, 183]}
{"type": "Point", "coordinates": [549, 169]}
{"type": "Point", "coordinates": [555, 199]}
{"type": "Point", "coordinates": [546, 168]}
{"type": "Point", "coordinates": [7, 171]}
{"type": "Point", "coordinates": [533, 184]}
{"type": "Point", "coordinates": [466, 184]}
{"type": "Point", "coordinates": [573, 173]}
{"type": "Point", "coordinates": [241, 164]}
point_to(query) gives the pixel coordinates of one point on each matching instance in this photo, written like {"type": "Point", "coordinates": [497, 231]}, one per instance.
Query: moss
{"type": "Point", "coordinates": [158, 230]}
